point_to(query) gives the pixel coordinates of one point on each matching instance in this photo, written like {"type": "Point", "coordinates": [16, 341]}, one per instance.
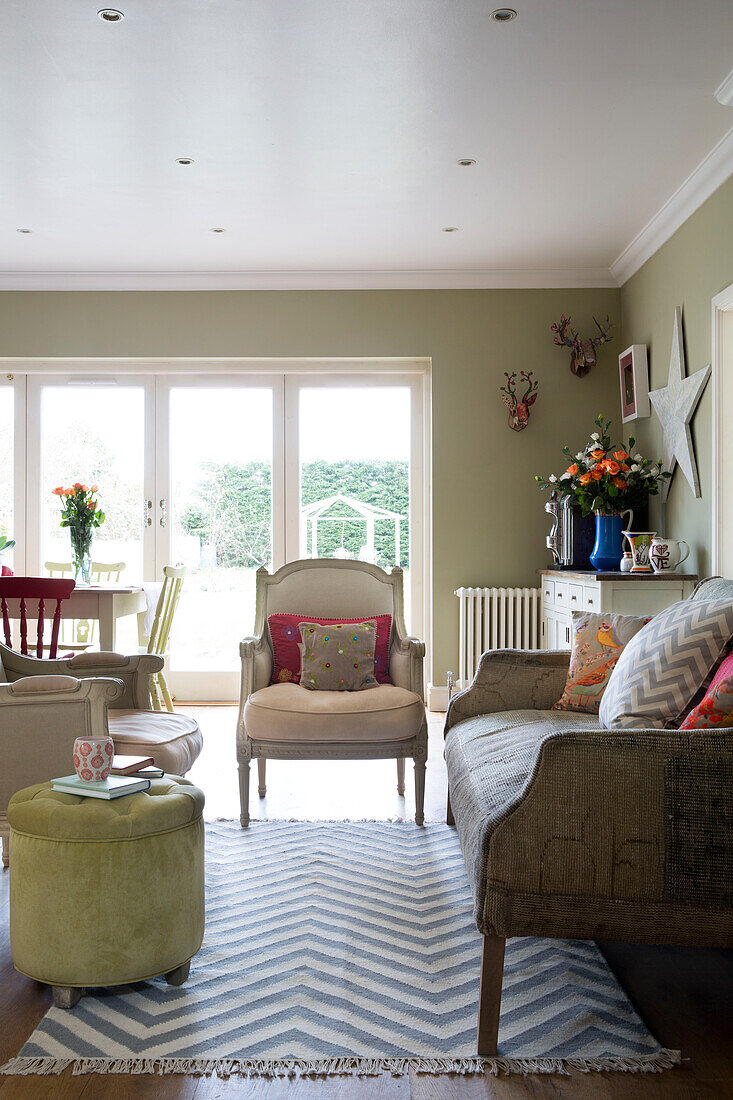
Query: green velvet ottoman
{"type": "Point", "coordinates": [106, 893]}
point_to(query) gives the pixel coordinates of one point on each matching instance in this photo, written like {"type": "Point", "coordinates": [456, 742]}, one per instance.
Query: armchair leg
{"type": "Point", "coordinates": [419, 790]}
{"type": "Point", "coordinates": [244, 793]}
{"type": "Point", "coordinates": [261, 766]}
{"type": "Point", "coordinates": [400, 775]}
{"type": "Point", "coordinates": [489, 998]}
{"type": "Point", "coordinates": [6, 850]}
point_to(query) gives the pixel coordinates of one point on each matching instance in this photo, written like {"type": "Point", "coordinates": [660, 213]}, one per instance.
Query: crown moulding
{"type": "Point", "coordinates": [724, 91]}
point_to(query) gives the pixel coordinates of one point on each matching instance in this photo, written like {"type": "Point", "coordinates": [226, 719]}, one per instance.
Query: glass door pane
{"type": "Point", "coordinates": [354, 463]}
{"type": "Point", "coordinates": [220, 458]}
{"type": "Point", "coordinates": [7, 466]}
{"type": "Point", "coordinates": [95, 434]}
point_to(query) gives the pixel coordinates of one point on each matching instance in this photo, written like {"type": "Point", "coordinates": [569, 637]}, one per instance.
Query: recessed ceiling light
{"type": "Point", "coordinates": [184, 160]}
{"type": "Point", "coordinates": [23, 230]}
{"type": "Point", "coordinates": [466, 162]}
{"type": "Point", "coordinates": [450, 229]}
{"type": "Point", "coordinates": [110, 15]}
{"type": "Point", "coordinates": [217, 229]}
{"type": "Point", "coordinates": [503, 15]}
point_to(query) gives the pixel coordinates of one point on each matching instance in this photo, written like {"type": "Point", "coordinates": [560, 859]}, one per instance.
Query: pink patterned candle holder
{"type": "Point", "coordinates": [93, 758]}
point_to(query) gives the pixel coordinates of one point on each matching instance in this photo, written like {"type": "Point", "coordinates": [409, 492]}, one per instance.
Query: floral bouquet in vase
{"type": "Point", "coordinates": [80, 512]}
{"type": "Point", "coordinates": [608, 479]}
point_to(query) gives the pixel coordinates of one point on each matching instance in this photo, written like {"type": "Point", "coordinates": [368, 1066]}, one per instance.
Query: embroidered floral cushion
{"type": "Point", "coordinates": [338, 657]}
{"type": "Point", "coordinates": [716, 708]}
{"type": "Point", "coordinates": [286, 640]}
{"type": "Point", "coordinates": [598, 642]}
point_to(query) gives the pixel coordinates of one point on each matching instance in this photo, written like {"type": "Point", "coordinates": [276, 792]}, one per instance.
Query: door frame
{"type": "Point", "coordinates": [722, 308]}
{"type": "Point", "coordinates": [200, 368]}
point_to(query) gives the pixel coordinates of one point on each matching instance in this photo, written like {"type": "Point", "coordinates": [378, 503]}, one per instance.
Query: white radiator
{"type": "Point", "coordinates": [495, 618]}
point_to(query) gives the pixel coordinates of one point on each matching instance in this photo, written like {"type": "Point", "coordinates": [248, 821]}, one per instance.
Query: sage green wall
{"type": "Point", "coordinates": [488, 521]}
{"type": "Point", "coordinates": [689, 270]}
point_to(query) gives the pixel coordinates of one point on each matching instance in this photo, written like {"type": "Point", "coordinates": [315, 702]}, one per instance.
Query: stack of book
{"type": "Point", "coordinates": [130, 774]}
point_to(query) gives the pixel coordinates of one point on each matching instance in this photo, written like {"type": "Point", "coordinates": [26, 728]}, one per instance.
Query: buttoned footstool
{"type": "Point", "coordinates": [106, 893]}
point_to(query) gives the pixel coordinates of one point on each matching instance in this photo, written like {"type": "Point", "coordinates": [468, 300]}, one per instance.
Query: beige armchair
{"type": "Point", "coordinates": [290, 722]}
{"type": "Point", "coordinates": [39, 718]}
{"type": "Point", "coordinates": [44, 705]}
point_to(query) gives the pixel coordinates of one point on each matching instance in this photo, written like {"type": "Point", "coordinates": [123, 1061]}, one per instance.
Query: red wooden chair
{"type": "Point", "coordinates": [39, 589]}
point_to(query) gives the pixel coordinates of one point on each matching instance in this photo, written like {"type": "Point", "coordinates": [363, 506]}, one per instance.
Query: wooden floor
{"type": "Point", "coordinates": [685, 996]}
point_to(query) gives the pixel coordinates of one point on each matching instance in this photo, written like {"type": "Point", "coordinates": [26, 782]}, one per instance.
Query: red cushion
{"type": "Point", "coordinates": [286, 639]}
{"type": "Point", "coordinates": [716, 708]}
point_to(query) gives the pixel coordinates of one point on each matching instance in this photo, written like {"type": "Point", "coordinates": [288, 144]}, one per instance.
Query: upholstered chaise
{"type": "Point", "coordinates": [573, 831]}
{"type": "Point", "coordinates": [289, 722]}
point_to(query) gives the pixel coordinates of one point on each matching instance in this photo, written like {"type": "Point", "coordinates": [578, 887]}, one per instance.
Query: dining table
{"type": "Point", "coordinates": [106, 602]}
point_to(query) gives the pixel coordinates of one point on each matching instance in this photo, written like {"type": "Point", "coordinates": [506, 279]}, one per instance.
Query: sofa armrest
{"type": "Point", "coordinates": [133, 671]}
{"type": "Point", "coordinates": [636, 822]}
{"type": "Point", "coordinates": [511, 679]}
{"type": "Point", "coordinates": [406, 660]}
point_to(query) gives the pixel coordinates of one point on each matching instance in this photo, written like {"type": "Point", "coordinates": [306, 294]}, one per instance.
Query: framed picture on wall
{"type": "Point", "coordinates": [634, 382]}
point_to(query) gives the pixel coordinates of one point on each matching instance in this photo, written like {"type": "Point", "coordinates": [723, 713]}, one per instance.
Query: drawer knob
{"type": "Point", "coordinates": [590, 603]}
{"type": "Point", "coordinates": [573, 599]}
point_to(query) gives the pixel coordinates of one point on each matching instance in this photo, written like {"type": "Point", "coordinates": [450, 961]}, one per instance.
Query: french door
{"type": "Point", "coordinates": [224, 474]}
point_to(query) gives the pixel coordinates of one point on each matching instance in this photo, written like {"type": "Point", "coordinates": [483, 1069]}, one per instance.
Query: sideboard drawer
{"type": "Point", "coordinates": [591, 597]}
{"type": "Point", "coordinates": [548, 591]}
{"type": "Point", "coordinates": [562, 595]}
{"type": "Point", "coordinates": [575, 597]}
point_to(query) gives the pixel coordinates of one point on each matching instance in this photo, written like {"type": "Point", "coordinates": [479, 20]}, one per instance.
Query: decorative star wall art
{"type": "Point", "coordinates": [675, 405]}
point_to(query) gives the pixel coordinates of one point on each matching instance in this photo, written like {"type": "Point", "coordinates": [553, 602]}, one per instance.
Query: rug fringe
{"type": "Point", "coordinates": [341, 1067]}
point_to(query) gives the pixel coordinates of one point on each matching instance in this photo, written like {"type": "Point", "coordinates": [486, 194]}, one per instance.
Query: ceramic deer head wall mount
{"type": "Point", "coordinates": [584, 351]}
{"type": "Point", "coordinates": [519, 406]}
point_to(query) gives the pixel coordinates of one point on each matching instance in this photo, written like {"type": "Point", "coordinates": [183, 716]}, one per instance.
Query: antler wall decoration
{"type": "Point", "coordinates": [519, 409]}
{"type": "Point", "coordinates": [584, 351]}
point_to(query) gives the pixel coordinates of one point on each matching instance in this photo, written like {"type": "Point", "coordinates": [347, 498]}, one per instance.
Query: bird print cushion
{"type": "Point", "coordinates": [598, 642]}
{"type": "Point", "coordinates": [338, 657]}
{"type": "Point", "coordinates": [716, 708]}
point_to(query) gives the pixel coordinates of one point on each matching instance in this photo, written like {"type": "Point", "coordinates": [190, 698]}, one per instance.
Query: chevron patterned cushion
{"type": "Point", "coordinates": [663, 666]}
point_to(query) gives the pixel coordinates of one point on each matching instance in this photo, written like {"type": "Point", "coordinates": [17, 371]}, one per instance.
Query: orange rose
{"type": "Point", "coordinates": [619, 483]}
{"type": "Point", "coordinates": [584, 479]}
{"type": "Point", "coordinates": [572, 469]}
{"type": "Point", "coordinates": [611, 466]}
{"type": "Point", "coordinates": [598, 454]}
{"type": "Point", "coordinates": [620, 456]}
{"type": "Point", "coordinates": [94, 489]}
{"type": "Point", "coordinates": [597, 473]}
{"type": "Point", "coordinates": [58, 492]}
{"type": "Point", "coordinates": [91, 504]}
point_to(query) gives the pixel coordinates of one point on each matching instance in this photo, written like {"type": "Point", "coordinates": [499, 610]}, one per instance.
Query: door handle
{"type": "Point", "coordinates": [163, 512]}
{"type": "Point", "coordinates": [147, 518]}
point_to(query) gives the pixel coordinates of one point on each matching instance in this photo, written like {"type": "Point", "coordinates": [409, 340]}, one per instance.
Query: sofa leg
{"type": "Point", "coordinates": [261, 768]}
{"type": "Point", "coordinates": [65, 996]}
{"type": "Point", "coordinates": [489, 997]}
{"type": "Point", "coordinates": [449, 818]}
{"type": "Point", "coordinates": [244, 793]}
{"type": "Point", "coordinates": [419, 790]}
{"type": "Point", "coordinates": [400, 775]}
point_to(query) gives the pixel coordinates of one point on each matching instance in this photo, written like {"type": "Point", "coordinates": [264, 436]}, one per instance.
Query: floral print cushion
{"type": "Point", "coordinates": [285, 636]}
{"type": "Point", "coordinates": [598, 642]}
{"type": "Point", "coordinates": [716, 707]}
{"type": "Point", "coordinates": [338, 657]}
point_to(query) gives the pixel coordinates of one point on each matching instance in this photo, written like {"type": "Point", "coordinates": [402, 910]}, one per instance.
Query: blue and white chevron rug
{"type": "Point", "coordinates": [336, 948]}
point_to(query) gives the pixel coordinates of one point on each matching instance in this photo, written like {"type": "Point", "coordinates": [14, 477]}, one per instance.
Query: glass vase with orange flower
{"type": "Point", "coordinates": [608, 479]}
{"type": "Point", "coordinates": [81, 514]}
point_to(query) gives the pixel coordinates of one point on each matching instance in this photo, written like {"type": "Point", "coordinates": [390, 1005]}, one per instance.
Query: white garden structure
{"type": "Point", "coordinates": [311, 515]}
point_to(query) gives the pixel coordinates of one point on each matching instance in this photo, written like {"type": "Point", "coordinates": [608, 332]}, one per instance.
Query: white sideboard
{"type": "Point", "coordinates": [565, 591]}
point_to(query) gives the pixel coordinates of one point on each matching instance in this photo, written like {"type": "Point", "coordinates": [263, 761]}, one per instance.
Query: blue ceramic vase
{"type": "Point", "coordinates": [608, 548]}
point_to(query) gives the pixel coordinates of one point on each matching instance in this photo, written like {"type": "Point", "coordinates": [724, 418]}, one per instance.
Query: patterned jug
{"type": "Point", "coordinates": [666, 554]}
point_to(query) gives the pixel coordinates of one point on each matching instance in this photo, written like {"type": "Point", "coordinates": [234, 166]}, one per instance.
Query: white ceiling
{"type": "Point", "coordinates": [325, 133]}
